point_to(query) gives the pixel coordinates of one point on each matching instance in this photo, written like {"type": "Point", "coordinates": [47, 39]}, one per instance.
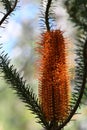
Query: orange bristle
{"type": "Point", "coordinates": [54, 83]}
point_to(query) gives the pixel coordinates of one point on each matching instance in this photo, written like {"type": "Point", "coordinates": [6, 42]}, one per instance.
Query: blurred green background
{"type": "Point", "coordinates": [19, 40]}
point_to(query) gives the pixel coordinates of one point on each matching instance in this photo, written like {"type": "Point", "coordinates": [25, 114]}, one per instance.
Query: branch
{"type": "Point", "coordinates": [47, 14]}
{"type": "Point", "coordinates": [24, 92]}
{"type": "Point", "coordinates": [11, 9]}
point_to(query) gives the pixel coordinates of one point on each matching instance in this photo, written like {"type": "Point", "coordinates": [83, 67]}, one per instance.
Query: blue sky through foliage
{"type": "Point", "coordinates": [13, 29]}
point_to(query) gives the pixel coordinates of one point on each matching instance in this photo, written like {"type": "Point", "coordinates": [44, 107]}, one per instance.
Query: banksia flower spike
{"type": "Point", "coordinates": [54, 82]}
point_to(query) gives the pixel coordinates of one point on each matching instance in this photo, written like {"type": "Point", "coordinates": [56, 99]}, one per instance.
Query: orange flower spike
{"type": "Point", "coordinates": [54, 85]}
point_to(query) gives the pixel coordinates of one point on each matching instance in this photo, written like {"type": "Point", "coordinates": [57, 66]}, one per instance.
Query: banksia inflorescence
{"type": "Point", "coordinates": [54, 82]}
{"type": "Point", "coordinates": [56, 104]}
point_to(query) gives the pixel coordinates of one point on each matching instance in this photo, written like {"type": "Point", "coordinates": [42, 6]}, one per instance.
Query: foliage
{"type": "Point", "coordinates": [7, 4]}
{"type": "Point", "coordinates": [77, 10]}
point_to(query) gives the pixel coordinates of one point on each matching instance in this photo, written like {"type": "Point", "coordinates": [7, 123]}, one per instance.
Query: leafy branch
{"type": "Point", "coordinates": [6, 4]}
{"type": "Point", "coordinates": [47, 17]}
{"type": "Point", "coordinates": [9, 8]}
{"type": "Point", "coordinates": [77, 9]}
{"type": "Point", "coordinates": [23, 90]}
